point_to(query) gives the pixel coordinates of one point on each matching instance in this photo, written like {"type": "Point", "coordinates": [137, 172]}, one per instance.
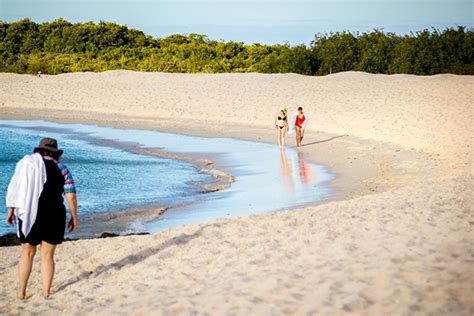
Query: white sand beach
{"type": "Point", "coordinates": [397, 239]}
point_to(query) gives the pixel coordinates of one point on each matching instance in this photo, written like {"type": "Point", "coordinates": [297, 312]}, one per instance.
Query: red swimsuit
{"type": "Point", "coordinates": [299, 121]}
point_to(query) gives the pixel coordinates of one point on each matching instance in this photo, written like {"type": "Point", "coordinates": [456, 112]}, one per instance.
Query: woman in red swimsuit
{"type": "Point", "coordinates": [299, 121]}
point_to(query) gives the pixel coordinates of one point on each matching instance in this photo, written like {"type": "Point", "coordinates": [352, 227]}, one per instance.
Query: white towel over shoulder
{"type": "Point", "coordinates": [25, 189]}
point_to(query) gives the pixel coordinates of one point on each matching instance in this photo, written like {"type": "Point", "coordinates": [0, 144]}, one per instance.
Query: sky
{"type": "Point", "coordinates": [250, 21]}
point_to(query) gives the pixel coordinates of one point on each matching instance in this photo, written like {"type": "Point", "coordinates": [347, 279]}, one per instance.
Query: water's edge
{"type": "Point", "coordinates": [120, 221]}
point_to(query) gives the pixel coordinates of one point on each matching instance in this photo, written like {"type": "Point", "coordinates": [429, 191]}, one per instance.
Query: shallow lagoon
{"type": "Point", "coordinates": [112, 177]}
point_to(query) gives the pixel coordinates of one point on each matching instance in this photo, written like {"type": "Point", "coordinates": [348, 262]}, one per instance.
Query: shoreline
{"type": "Point", "coordinates": [376, 177]}
{"type": "Point", "coordinates": [349, 186]}
{"type": "Point", "coordinates": [399, 242]}
{"type": "Point", "coordinates": [357, 172]}
{"type": "Point", "coordinates": [121, 220]}
{"type": "Point", "coordinates": [134, 219]}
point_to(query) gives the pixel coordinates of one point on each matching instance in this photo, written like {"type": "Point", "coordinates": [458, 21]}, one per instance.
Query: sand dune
{"type": "Point", "coordinates": [419, 112]}
{"type": "Point", "coordinates": [397, 240]}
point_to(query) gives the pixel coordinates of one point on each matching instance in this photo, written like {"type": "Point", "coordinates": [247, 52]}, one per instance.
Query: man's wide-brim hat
{"type": "Point", "coordinates": [49, 144]}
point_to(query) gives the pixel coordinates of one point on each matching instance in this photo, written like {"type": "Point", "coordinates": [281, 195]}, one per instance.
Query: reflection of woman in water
{"type": "Point", "coordinates": [304, 169]}
{"type": "Point", "coordinates": [285, 170]}
{"type": "Point", "coordinates": [281, 125]}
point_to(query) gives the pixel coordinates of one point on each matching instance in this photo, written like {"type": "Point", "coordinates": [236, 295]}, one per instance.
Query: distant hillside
{"type": "Point", "coordinates": [59, 47]}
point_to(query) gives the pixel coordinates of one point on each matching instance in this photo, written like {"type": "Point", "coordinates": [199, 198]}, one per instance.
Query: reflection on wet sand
{"type": "Point", "coordinates": [305, 174]}
{"type": "Point", "coordinates": [297, 159]}
{"type": "Point", "coordinates": [286, 170]}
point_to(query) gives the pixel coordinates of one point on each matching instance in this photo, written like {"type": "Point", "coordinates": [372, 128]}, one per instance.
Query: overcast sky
{"type": "Point", "coordinates": [263, 21]}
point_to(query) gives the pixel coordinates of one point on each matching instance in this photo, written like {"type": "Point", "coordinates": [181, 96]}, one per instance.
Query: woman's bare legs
{"type": "Point", "coordinates": [282, 136]}
{"type": "Point", "coordinates": [278, 136]}
{"type": "Point", "coordinates": [297, 130]}
{"type": "Point", "coordinates": [24, 267]}
{"type": "Point", "coordinates": [47, 266]}
{"type": "Point", "coordinates": [301, 135]}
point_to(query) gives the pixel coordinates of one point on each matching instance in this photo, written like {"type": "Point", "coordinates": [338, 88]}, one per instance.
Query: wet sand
{"type": "Point", "coordinates": [397, 241]}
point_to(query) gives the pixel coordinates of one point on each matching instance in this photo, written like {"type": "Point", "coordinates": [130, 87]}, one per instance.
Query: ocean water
{"type": "Point", "coordinates": [106, 178]}
{"type": "Point", "coordinates": [110, 178]}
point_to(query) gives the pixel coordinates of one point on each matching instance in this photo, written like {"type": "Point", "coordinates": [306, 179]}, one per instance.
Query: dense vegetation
{"type": "Point", "coordinates": [59, 46]}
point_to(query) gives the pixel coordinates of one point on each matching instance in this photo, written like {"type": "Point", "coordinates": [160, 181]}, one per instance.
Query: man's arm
{"type": "Point", "coordinates": [11, 219]}
{"type": "Point", "coordinates": [72, 202]}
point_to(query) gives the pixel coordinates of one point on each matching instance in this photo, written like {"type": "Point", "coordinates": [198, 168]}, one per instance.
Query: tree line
{"type": "Point", "coordinates": [60, 47]}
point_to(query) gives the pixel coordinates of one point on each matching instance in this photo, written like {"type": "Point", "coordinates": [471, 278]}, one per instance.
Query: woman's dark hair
{"type": "Point", "coordinates": [47, 153]}
{"type": "Point", "coordinates": [300, 108]}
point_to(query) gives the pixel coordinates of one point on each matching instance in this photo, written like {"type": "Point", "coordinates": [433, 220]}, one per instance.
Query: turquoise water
{"type": "Point", "coordinates": [106, 178]}
{"type": "Point", "coordinates": [110, 178]}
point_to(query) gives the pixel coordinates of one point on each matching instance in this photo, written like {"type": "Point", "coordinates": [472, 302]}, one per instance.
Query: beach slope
{"type": "Point", "coordinates": [398, 241]}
